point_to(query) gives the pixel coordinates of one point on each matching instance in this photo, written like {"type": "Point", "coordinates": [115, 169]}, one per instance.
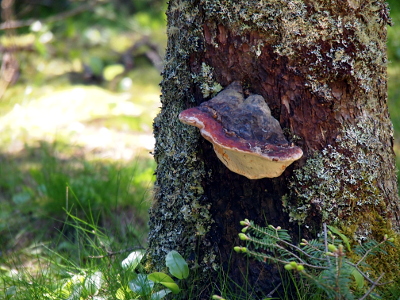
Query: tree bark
{"type": "Point", "coordinates": [321, 67]}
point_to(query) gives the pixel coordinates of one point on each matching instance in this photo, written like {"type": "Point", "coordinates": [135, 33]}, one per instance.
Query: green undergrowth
{"type": "Point", "coordinates": [40, 184]}
{"type": "Point", "coordinates": [84, 265]}
{"type": "Point", "coordinates": [92, 263]}
{"type": "Point", "coordinates": [69, 219]}
{"type": "Point", "coordinates": [330, 266]}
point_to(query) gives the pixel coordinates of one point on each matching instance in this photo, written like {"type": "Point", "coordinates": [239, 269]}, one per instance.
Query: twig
{"type": "Point", "coordinates": [366, 276]}
{"type": "Point", "coordinates": [372, 287]}
{"type": "Point", "coordinates": [369, 251]}
{"type": "Point", "coordinates": [274, 290]}
{"type": "Point", "coordinates": [111, 253]}
{"type": "Point", "coordinates": [326, 243]}
{"type": "Point", "coordinates": [17, 48]}
{"type": "Point", "coordinates": [255, 228]}
{"type": "Point", "coordinates": [265, 256]}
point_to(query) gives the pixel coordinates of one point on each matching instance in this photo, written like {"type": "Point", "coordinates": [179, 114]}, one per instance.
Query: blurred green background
{"type": "Point", "coordinates": [78, 93]}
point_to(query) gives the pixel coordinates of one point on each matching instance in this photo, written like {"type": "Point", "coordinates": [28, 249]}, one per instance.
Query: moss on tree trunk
{"type": "Point", "coordinates": [321, 66]}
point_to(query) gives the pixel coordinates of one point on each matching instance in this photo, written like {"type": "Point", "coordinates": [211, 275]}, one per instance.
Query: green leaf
{"type": "Point", "coordinates": [11, 291]}
{"type": "Point", "coordinates": [75, 294]}
{"type": "Point", "coordinates": [341, 235]}
{"type": "Point", "coordinates": [159, 277]}
{"type": "Point", "coordinates": [160, 294]}
{"type": "Point", "coordinates": [93, 283]}
{"type": "Point", "coordinates": [141, 285]}
{"type": "Point", "coordinates": [172, 286]}
{"type": "Point", "coordinates": [72, 288]}
{"type": "Point", "coordinates": [177, 266]}
{"type": "Point", "coordinates": [120, 294]}
{"type": "Point", "coordinates": [165, 280]}
{"type": "Point", "coordinates": [21, 198]}
{"type": "Point", "coordinates": [358, 278]}
{"type": "Point", "coordinates": [133, 260]}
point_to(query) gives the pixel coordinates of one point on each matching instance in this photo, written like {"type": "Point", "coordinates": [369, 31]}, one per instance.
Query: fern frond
{"type": "Point", "coordinates": [332, 272]}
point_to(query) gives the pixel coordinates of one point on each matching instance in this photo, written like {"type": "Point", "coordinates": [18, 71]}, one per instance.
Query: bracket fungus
{"type": "Point", "coordinates": [245, 137]}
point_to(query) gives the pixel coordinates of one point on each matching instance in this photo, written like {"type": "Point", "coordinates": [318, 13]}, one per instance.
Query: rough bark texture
{"type": "Point", "coordinates": [321, 66]}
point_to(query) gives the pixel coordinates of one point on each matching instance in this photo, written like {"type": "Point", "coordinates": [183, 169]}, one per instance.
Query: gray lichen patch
{"type": "Point", "coordinates": [208, 85]}
{"type": "Point", "coordinates": [324, 39]}
{"type": "Point", "coordinates": [179, 217]}
{"type": "Point", "coordinates": [342, 182]}
{"type": "Point", "coordinates": [179, 189]}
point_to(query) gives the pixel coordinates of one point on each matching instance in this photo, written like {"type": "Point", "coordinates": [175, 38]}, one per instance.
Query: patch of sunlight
{"type": "Point", "coordinates": [54, 67]}
{"type": "Point", "coordinates": [17, 40]}
{"type": "Point", "coordinates": [393, 70]}
{"type": "Point", "coordinates": [67, 114]}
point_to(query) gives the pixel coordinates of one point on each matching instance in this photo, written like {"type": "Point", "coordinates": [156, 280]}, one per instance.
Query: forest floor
{"type": "Point", "coordinates": [82, 139]}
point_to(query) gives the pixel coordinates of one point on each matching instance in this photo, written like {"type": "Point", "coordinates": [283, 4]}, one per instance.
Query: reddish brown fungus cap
{"type": "Point", "coordinates": [245, 137]}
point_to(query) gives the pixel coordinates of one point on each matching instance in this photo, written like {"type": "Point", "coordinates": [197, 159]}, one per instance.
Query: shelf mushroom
{"type": "Point", "coordinates": [245, 137]}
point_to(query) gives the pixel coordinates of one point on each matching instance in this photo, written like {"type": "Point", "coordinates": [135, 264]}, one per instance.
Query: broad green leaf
{"type": "Point", "coordinates": [159, 295]}
{"type": "Point", "coordinates": [69, 289]}
{"type": "Point", "coordinates": [21, 198]}
{"type": "Point", "coordinates": [358, 278]}
{"type": "Point", "coordinates": [165, 280]}
{"type": "Point", "coordinates": [93, 283]}
{"type": "Point", "coordinates": [172, 286]}
{"type": "Point", "coordinates": [341, 235]}
{"type": "Point", "coordinates": [141, 285]}
{"type": "Point", "coordinates": [133, 259]}
{"type": "Point", "coordinates": [11, 291]}
{"type": "Point", "coordinates": [159, 277]}
{"type": "Point", "coordinates": [75, 294]}
{"type": "Point", "coordinates": [177, 266]}
{"type": "Point", "coordinates": [120, 294]}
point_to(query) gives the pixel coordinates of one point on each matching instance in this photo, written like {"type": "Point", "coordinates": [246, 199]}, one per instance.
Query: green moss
{"type": "Point", "coordinates": [385, 262]}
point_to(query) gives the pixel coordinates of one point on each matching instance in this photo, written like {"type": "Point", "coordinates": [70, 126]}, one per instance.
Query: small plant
{"type": "Point", "coordinates": [323, 261]}
{"type": "Point", "coordinates": [144, 285]}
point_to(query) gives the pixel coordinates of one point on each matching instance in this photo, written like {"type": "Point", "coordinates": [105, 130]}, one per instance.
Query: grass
{"type": "Point", "coordinates": [61, 207]}
{"type": "Point", "coordinates": [70, 193]}
{"type": "Point", "coordinates": [61, 270]}
{"type": "Point", "coordinates": [75, 170]}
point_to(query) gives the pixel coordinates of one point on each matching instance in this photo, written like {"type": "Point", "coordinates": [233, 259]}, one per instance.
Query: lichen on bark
{"type": "Point", "coordinates": [321, 66]}
{"type": "Point", "coordinates": [180, 213]}
{"type": "Point", "coordinates": [343, 183]}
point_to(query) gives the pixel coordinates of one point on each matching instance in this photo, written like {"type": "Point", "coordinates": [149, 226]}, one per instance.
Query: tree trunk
{"type": "Point", "coordinates": [321, 67]}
